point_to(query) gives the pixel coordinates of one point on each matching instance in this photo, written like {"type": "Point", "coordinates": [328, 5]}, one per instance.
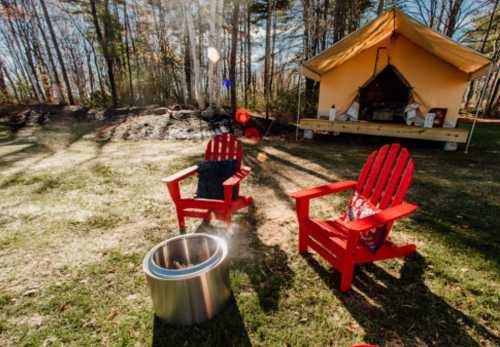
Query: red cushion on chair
{"type": "Point", "coordinates": [358, 208]}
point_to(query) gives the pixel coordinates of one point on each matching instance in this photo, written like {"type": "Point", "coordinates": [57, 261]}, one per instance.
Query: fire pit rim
{"type": "Point", "coordinates": [213, 261]}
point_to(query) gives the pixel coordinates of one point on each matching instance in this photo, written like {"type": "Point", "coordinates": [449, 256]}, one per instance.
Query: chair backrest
{"type": "Point", "coordinates": [225, 147]}
{"type": "Point", "coordinates": [386, 176]}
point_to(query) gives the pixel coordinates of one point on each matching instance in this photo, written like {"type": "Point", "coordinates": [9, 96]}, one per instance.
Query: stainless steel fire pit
{"type": "Point", "coordinates": [188, 277]}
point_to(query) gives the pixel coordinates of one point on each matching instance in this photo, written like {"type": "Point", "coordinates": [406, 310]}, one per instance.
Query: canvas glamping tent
{"type": "Point", "coordinates": [386, 65]}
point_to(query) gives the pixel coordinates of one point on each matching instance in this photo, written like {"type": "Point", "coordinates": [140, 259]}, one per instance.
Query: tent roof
{"type": "Point", "coordinates": [395, 21]}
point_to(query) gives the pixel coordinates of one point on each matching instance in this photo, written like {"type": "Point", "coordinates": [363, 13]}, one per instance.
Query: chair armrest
{"type": "Point", "coordinates": [181, 174]}
{"type": "Point", "coordinates": [232, 181]}
{"type": "Point", "coordinates": [237, 177]}
{"type": "Point", "coordinates": [323, 190]}
{"type": "Point", "coordinates": [378, 219]}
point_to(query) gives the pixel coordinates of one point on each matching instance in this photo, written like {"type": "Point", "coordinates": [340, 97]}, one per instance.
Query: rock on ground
{"type": "Point", "coordinates": [163, 123]}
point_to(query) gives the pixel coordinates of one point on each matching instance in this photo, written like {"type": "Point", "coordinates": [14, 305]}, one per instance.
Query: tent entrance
{"type": "Point", "coordinates": [384, 97]}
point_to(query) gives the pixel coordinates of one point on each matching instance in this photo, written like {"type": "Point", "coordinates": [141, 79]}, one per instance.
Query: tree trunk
{"type": "Point", "coordinates": [91, 73]}
{"type": "Point", "coordinates": [212, 65]}
{"type": "Point", "coordinates": [273, 45]}
{"type": "Point", "coordinates": [305, 15]}
{"type": "Point", "coordinates": [309, 88]}
{"type": "Point", "coordinates": [194, 55]}
{"type": "Point", "coordinates": [33, 75]}
{"type": "Point", "coordinates": [104, 47]}
{"type": "Point", "coordinates": [494, 99]}
{"type": "Point", "coordinates": [78, 73]}
{"type": "Point", "coordinates": [316, 35]}
{"type": "Point", "coordinates": [472, 85]}
{"type": "Point", "coordinates": [340, 20]}
{"type": "Point", "coordinates": [490, 25]}
{"type": "Point", "coordinates": [432, 12]}
{"type": "Point", "coordinates": [187, 69]}
{"type": "Point", "coordinates": [439, 20]}
{"type": "Point", "coordinates": [3, 85]}
{"type": "Point", "coordinates": [267, 57]}
{"type": "Point", "coordinates": [58, 52]}
{"type": "Point", "coordinates": [249, 54]}
{"type": "Point", "coordinates": [50, 56]}
{"type": "Point", "coordinates": [326, 5]}
{"type": "Point", "coordinates": [380, 8]}
{"type": "Point", "coordinates": [242, 66]}
{"type": "Point", "coordinates": [98, 71]}
{"type": "Point", "coordinates": [14, 90]}
{"type": "Point", "coordinates": [127, 50]}
{"type": "Point", "coordinates": [234, 50]}
{"type": "Point", "coordinates": [454, 11]}
{"type": "Point", "coordinates": [15, 51]}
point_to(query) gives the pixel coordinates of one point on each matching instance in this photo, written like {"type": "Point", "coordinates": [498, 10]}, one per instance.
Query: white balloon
{"type": "Point", "coordinates": [213, 54]}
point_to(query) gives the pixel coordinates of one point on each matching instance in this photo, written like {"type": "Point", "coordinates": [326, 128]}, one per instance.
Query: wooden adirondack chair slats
{"type": "Point", "coordinates": [384, 175]}
{"type": "Point", "coordinates": [221, 147]}
{"type": "Point", "coordinates": [374, 172]}
{"type": "Point", "coordinates": [224, 147]}
{"type": "Point", "coordinates": [400, 166]}
{"type": "Point", "coordinates": [365, 171]}
{"type": "Point", "coordinates": [384, 180]}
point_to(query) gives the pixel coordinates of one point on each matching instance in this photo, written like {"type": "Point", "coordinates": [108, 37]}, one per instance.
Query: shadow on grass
{"type": "Point", "coordinates": [459, 218]}
{"type": "Point", "coordinates": [225, 329]}
{"type": "Point", "coordinates": [267, 270]}
{"type": "Point", "coordinates": [402, 311]}
{"type": "Point", "coordinates": [17, 177]}
{"type": "Point", "coordinates": [266, 175]}
{"type": "Point", "coordinates": [37, 147]}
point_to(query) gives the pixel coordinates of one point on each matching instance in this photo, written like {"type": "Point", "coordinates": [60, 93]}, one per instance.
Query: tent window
{"type": "Point", "coordinates": [384, 97]}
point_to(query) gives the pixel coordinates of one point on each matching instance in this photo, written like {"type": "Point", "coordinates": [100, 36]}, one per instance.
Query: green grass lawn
{"type": "Point", "coordinates": [77, 216]}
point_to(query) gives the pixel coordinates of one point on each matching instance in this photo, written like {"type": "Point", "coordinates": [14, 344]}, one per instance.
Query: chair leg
{"type": "Point", "coordinates": [346, 277]}
{"type": "Point", "coordinates": [181, 219]}
{"type": "Point", "coordinates": [228, 217]}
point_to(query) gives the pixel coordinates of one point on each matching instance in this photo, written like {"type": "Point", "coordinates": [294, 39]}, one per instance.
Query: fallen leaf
{"type": "Point", "coordinates": [63, 307]}
{"type": "Point", "coordinates": [112, 314]}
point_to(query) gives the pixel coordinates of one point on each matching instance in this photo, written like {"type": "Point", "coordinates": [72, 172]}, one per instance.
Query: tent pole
{"type": "Point", "coordinates": [480, 101]}
{"type": "Point", "coordinates": [298, 108]}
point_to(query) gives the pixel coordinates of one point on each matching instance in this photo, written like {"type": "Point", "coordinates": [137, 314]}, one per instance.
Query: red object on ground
{"type": "Point", "coordinates": [384, 180]}
{"type": "Point", "coordinates": [242, 116]}
{"type": "Point", "coordinates": [252, 134]}
{"type": "Point", "coordinates": [221, 147]}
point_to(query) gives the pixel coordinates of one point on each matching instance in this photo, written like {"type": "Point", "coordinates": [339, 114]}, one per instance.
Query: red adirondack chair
{"type": "Point", "coordinates": [221, 147]}
{"type": "Point", "coordinates": [382, 184]}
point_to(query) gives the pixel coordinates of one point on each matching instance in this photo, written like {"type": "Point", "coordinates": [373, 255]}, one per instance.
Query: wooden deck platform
{"type": "Point", "coordinates": [384, 129]}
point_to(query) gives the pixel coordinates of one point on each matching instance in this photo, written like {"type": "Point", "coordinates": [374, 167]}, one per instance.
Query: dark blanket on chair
{"type": "Point", "coordinates": [211, 176]}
